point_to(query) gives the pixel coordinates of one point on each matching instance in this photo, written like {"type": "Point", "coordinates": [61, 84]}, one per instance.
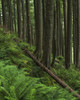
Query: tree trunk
{"type": "Point", "coordinates": [38, 28]}
{"type": "Point", "coordinates": [54, 40]}
{"type": "Point", "coordinates": [79, 28]}
{"type": "Point", "coordinates": [44, 17]}
{"type": "Point", "coordinates": [57, 79]}
{"type": "Point", "coordinates": [14, 7]}
{"type": "Point", "coordinates": [68, 35]}
{"type": "Point", "coordinates": [78, 33]}
{"type": "Point", "coordinates": [10, 16]}
{"type": "Point", "coordinates": [19, 18]}
{"type": "Point", "coordinates": [24, 21]}
{"type": "Point", "coordinates": [4, 13]}
{"type": "Point", "coordinates": [48, 33]}
{"type": "Point", "coordinates": [28, 21]}
{"type": "Point", "coordinates": [65, 21]}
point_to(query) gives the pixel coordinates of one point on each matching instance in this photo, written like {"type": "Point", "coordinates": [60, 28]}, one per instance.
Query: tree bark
{"type": "Point", "coordinates": [19, 18]}
{"type": "Point", "coordinates": [53, 39]}
{"type": "Point", "coordinates": [48, 33]}
{"type": "Point", "coordinates": [38, 28]}
{"type": "Point", "coordinates": [79, 28]}
{"type": "Point", "coordinates": [68, 35]}
{"type": "Point", "coordinates": [14, 7]}
{"type": "Point", "coordinates": [4, 13]}
{"type": "Point", "coordinates": [65, 21]}
{"type": "Point", "coordinates": [10, 15]}
{"type": "Point", "coordinates": [28, 21]}
{"type": "Point", "coordinates": [24, 20]}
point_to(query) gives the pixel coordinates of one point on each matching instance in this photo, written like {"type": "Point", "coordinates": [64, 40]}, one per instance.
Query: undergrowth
{"type": "Point", "coordinates": [16, 84]}
{"type": "Point", "coordinates": [70, 76]}
{"type": "Point", "coordinates": [21, 78]}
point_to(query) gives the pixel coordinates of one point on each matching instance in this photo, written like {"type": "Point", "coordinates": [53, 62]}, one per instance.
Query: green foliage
{"type": "Point", "coordinates": [59, 61]}
{"type": "Point", "coordinates": [14, 85]}
{"type": "Point", "coordinates": [70, 76]}
{"type": "Point", "coordinates": [28, 82]}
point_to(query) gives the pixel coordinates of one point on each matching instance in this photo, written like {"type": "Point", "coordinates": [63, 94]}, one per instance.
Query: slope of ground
{"type": "Point", "coordinates": [21, 78]}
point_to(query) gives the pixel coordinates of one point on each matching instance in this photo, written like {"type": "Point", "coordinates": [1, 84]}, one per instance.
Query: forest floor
{"type": "Point", "coordinates": [22, 79]}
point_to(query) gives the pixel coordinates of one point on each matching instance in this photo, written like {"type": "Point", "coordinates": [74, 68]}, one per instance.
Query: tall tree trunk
{"type": "Point", "coordinates": [14, 7]}
{"type": "Point", "coordinates": [10, 16]}
{"type": "Point", "coordinates": [53, 39]}
{"type": "Point", "coordinates": [78, 33]}
{"type": "Point", "coordinates": [65, 20]}
{"type": "Point", "coordinates": [48, 32]}
{"type": "Point", "coordinates": [74, 30]}
{"type": "Point", "coordinates": [32, 36]}
{"type": "Point", "coordinates": [19, 18]}
{"type": "Point", "coordinates": [44, 17]}
{"type": "Point", "coordinates": [68, 35]}
{"type": "Point", "coordinates": [0, 17]}
{"type": "Point", "coordinates": [4, 13]}
{"type": "Point", "coordinates": [28, 21]}
{"type": "Point", "coordinates": [79, 28]}
{"type": "Point", "coordinates": [57, 31]}
{"type": "Point", "coordinates": [38, 28]}
{"type": "Point", "coordinates": [24, 20]}
{"type": "Point", "coordinates": [61, 36]}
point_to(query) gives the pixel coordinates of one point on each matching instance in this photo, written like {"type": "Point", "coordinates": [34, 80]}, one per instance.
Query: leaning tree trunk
{"type": "Point", "coordinates": [56, 78]}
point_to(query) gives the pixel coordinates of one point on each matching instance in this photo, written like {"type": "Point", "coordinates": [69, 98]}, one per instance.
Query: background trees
{"type": "Point", "coordinates": [53, 26]}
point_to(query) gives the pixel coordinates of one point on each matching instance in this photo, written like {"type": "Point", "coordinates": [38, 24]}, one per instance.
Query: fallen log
{"type": "Point", "coordinates": [56, 78]}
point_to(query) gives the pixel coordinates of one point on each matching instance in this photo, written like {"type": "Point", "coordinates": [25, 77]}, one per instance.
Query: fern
{"type": "Point", "coordinates": [25, 83]}
{"type": "Point", "coordinates": [14, 85]}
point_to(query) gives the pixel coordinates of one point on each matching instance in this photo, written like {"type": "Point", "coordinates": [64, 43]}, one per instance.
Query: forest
{"type": "Point", "coordinates": [39, 49]}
